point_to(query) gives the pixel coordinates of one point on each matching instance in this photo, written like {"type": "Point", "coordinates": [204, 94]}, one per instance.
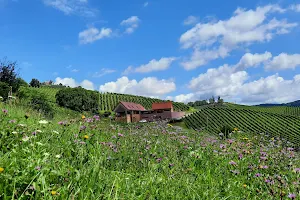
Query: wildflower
{"type": "Point", "coordinates": [82, 128]}
{"type": "Point", "coordinates": [140, 159]}
{"type": "Point", "coordinates": [82, 142]}
{"type": "Point", "coordinates": [53, 192]}
{"type": "Point", "coordinates": [263, 158]}
{"type": "Point", "coordinates": [171, 165]}
{"type": "Point", "coordinates": [222, 146]}
{"type": "Point", "coordinates": [58, 156]}
{"type": "Point", "coordinates": [244, 185]}
{"type": "Point", "coordinates": [158, 160]}
{"type": "Point", "coordinates": [38, 168]}
{"type": "Point", "coordinates": [230, 141]}
{"type": "Point", "coordinates": [12, 121]}
{"type": "Point", "coordinates": [33, 133]}
{"type": "Point", "coordinates": [4, 111]}
{"type": "Point", "coordinates": [292, 196]}
{"type": "Point", "coordinates": [236, 172]}
{"type": "Point", "coordinates": [245, 138]}
{"type": "Point", "coordinates": [232, 163]}
{"type": "Point", "coordinates": [1, 169]}
{"type": "Point", "coordinates": [43, 122]}
{"type": "Point", "coordinates": [25, 138]}
{"type": "Point", "coordinates": [113, 136]}
{"type": "Point", "coordinates": [55, 132]}
{"type": "Point", "coordinates": [120, 135]}
{"type": "Point", "coordinates": [235, 129]}
{"type": "Point", "coordinates": [61, 123]}
{"type": "Point", "coordinates": [240, 156]}
{"type": "Point", "coordinates": [82, 117]}
{"type": "Point", "coordinates": [297, 170]}
{"type": "Point", "coordinates": [86, 137]}
{"type": "Point", "coordinates": [258, 175]}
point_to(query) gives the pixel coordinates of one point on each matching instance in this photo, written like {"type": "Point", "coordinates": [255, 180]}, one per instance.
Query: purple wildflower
{"type": "Point", "coordinates": [76, 135]}
{"type": "Point", "coordinates": [290, 149]}
{"type": "Point", "coordinates": [236, 172]}
{"type": "Point", "coordinates": [75, 141]}
{"type": "Point", "coordinates": [82, 142]}
{"type": "Point", "coordinates": [240, 156]}
{"type": "Point", "coordinates": [232, 163]}
{"type": "Point", "coordinates": [265, 167]}
{"type": "Point", "coordinates": [140, 159]}
{"type": "Point", "coordinates": [38, 168]}
{"type": "Point", "coordinates": [230, 141]}
{"type": "Point", "coordinates": [297, 169]}
{"type": "Point", "coordinates": [292, 196]}
{"type": "Point", "coordinates": [82, 128]}
{"type": "Point", "coordinates": [185, 147]}
{"type": "Point", "coordinates": [263, 158]}
{"type": "Point", "coordinates": [12, 121]}
{"type": "Point", "coordinates": [120, 135]}
{"type": "Point", "coordinates": [113, 136]}
{"type": "Point", "coordinates": [158, 159]}
{"type": "Point", "coordinates": [33, 133]}
{"type": "Point", "coordinates": [61, 123]}
{"type": "Point", "coordinates": [222, 146]}
{"type": "Point", "coordinates": [258, 175]}
{"type": "Point", "coordinates": [4, 111]}
{"type": "Point", "coordinates": [171, 165]}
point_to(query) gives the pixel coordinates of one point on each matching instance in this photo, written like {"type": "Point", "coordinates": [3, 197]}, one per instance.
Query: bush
{"type": "Point", "coordinates": [226, 130]}
{"type": "Point", "coordinates": [77, 99]}
{"type": "Point", "coordinates": [36, 100]}
{"type": "Point", "coordinates": [35, 83]}
{"type": "Point", "coordinates": [4, 90]}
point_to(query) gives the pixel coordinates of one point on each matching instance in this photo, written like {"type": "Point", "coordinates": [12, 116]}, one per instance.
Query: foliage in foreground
{"type": "Point", "coordinates": [89, 158]}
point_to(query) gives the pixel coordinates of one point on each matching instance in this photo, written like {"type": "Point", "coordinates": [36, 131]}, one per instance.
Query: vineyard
{"type": "Point", "coordinates": [108, 101]}
{"type": "Point", "coordinates": [285, 110]}
{"type": "Point", "coordinates": [248, 120]}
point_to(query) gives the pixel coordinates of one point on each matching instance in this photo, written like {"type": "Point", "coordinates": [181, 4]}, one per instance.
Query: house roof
{"type": "Point", "coordinates": [162, 105]}
{"type": "Point", "coordinates": [132, 106]}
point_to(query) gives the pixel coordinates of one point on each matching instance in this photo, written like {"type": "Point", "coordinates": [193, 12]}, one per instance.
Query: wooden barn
{"type": "Point", "coordinates": [128, 112]}
{"type": "Point", "coordinates": [132, 112]}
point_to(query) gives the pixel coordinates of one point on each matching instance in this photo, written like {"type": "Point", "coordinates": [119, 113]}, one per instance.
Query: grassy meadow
{"type": "Point", "coordinates": [75, 157]}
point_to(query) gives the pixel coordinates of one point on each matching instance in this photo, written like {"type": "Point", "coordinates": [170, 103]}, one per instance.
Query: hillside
{"type": "Point", "coordinates": [108, 101]}
{"type": "Point", "coordinates": [248, 120]}
{"type": "Point", "coordinates": [285, 110]}
{"type": "Point", "coordinates": [294, 103]}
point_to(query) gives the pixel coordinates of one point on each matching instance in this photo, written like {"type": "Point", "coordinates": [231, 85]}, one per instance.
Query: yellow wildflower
{"type": "Point", "coordinates": [244, 185]}
{"type": "Point", "coordinates": [235, 129]}
{"type": "Point", "coordinates": [82, 117]}
{"type": "Point", "coordinates": [53, 192]}
{"type": "Point", "coordinates": [245, 138]}
{"type": "Point", "coordinates": [86, 137]}
{"type": "Point", "coordinates": [1, 169]}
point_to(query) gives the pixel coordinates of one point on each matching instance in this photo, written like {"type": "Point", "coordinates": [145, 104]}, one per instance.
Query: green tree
{"type": "Point", "coordinates": [4, 90]}
{"type": "Point", "coordinates": [212, 100]}
{"type": "Point", "coordinates": [8, 73]}
{"type": "Point", "coordinates": [35, 83]}
{"type": "Point", "coordinates": [220, 101]}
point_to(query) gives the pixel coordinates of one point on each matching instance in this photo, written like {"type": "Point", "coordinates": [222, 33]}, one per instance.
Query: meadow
{"type": "Point", "coordinates": [88, 157]}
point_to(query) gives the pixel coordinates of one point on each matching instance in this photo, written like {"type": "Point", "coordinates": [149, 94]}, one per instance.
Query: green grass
{"type": "Point", "coordinates": [213, 118]}
{"type": "Point", "coordinates": [137, 161]}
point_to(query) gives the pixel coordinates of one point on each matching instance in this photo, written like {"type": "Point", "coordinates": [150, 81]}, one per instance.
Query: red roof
{"type": "Point", "coordinates": [132, 106]}
{"type": "Point", "coordinates": [162, 105]}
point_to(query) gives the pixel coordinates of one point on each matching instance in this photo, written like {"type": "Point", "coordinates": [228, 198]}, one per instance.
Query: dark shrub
{"type": "Point", "coordinates": [35, 83]}
{"type": "Point", "coordinates": [226, 129]}
{"type": "Point", "coordinates": [77, 99]}
{"type": "Point", "coordinates": [4, 90]}
{"type": "Point", "coordinates": [106, 114]}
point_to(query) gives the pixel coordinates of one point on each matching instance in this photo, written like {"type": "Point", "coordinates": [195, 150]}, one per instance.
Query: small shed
{"type": "Point", "coordinates": [162, 106]}
{"type": "Point", "coordinates": [128, 112]}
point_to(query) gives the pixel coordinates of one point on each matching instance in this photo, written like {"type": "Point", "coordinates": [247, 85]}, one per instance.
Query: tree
{"type": "Point", "coordinates": [8, 73]}
{"type": "Point", "coordinates": [220, 101]}
{"type": "Point", "coordinates": [4, 90]}
{"type": "Point", "coordinates": [212, 100]}
{"type": "Point", "coordinates": [35, 83]}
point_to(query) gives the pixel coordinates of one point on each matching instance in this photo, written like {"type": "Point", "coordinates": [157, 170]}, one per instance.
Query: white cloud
{"type": "Point", "coordinates": [75, 70]}
{"type": "Point", "coordinates": [153, 65]}
{"type": "Point", "coordinates": [295, 7]}
{"type": "Point", "coordinates": [103, 72]}
{"type": "Point", "coordinates": [284, 61]}
{"type": "Point", "coordinates": [149, 86]}
{"type": "Point", "coordinates": [217, 39]}
{"type": "Point", "coordinates": [190, 20]}
{"type": "Point", "coordinates": [69, 7]}
{"type": "Point", "coordinates": [252, 60]}
{"type": "Point", "coordinates": [72, 83]}
{"type": "Point", "coordinates": [146, 4]}
{"type": "Point", "coordinates": [131, 24]}
{"type": "Point", "coordinates": [92, 34]}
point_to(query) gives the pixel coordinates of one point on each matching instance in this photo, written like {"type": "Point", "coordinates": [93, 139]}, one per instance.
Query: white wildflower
{"type": "Point", "coordinates": [43, 122]}
{"type": "Point", "coordinates": [58, 156]}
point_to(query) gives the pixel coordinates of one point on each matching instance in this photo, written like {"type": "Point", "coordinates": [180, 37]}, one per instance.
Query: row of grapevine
{"type": "Point", "coordinates": [286, 110]}
{"type": "Point", "coordinates": [108, 101]}
{"type": "Point", "coordinates": [213, 118]}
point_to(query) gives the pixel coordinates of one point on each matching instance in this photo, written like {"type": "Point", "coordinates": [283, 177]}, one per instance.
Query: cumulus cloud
{"type": "Point", "coordinates": [284, 61]}
{"type": "Point", "coordinates": [216, 39]}
{"type": "Point", "coordinates": [153, 65]}
{"type": "Point", "coordinates": [131, 24]}
{"type": "Point", "coordinates": [72, 83]}
{"type": "Point", "coordinates": [92, 34]}
{"type": "Point", "coordinates": [295, 7]}
{"type": "Point", "coordinates": [191, 20]}
{"type": "Point", "coordinates": [252, 60]}
{"type": "Point", "coordinates": [149, 86]}
{"type": "Point", "coordinates": [69, 7]}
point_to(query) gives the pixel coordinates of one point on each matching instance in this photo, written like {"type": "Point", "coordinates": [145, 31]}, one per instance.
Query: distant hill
{"type": "Point", "coordinates": [294, 104]}
{"type": "Point", "coordinates": [108, 101]}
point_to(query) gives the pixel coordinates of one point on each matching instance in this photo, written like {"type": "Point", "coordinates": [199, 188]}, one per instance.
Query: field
{"type": "Point", "coordinates": [250, 120]}
{"type": "Point", "coordinates": [94, 158]}
{"type": "Point", "coordinates": [108, 101]}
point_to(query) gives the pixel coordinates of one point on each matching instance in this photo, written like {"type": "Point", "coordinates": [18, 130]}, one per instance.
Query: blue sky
{"type": "Point", "coordinates": [245, 51]}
